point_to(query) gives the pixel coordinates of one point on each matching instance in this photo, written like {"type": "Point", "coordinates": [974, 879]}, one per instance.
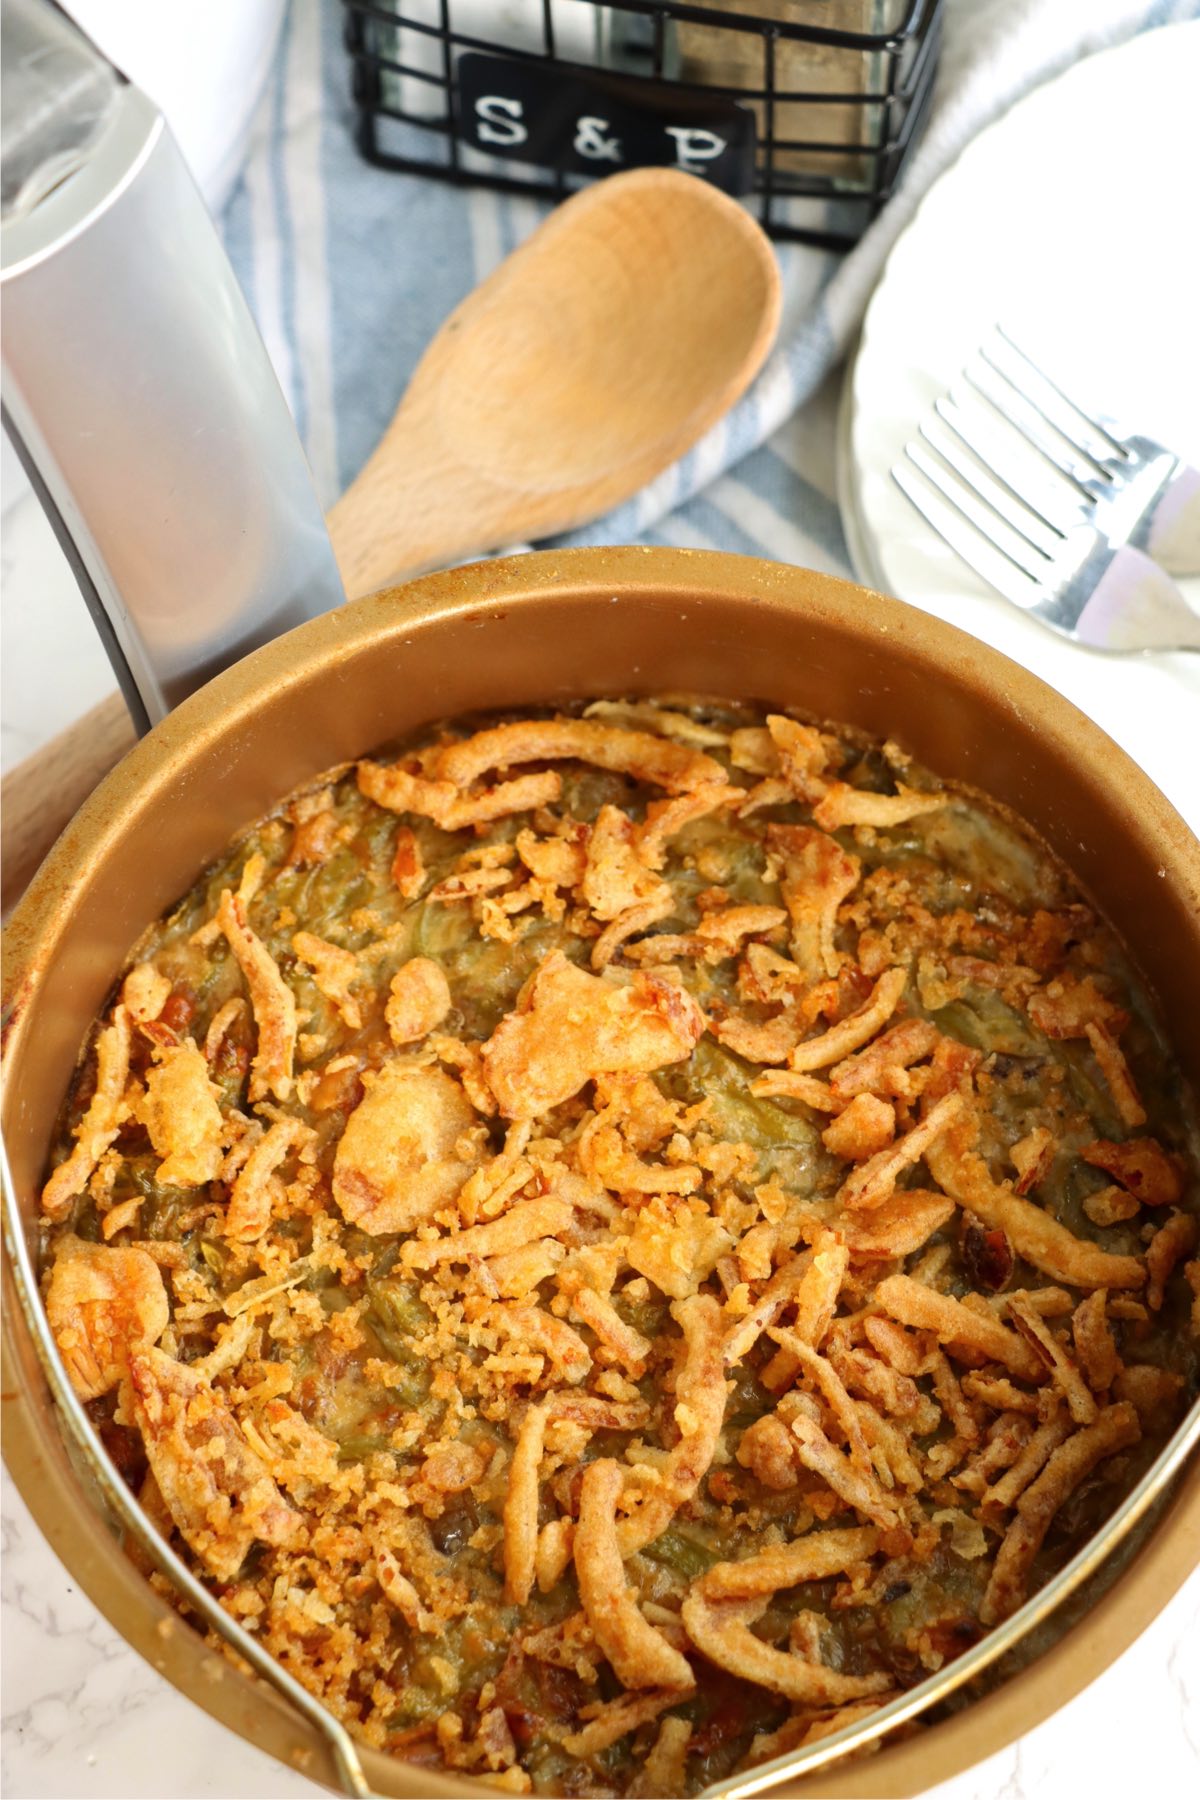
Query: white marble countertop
{"type": "Point", "coordinates": [84, 1718]}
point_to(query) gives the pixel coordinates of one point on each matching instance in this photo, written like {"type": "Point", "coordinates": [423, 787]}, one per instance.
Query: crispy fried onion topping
{"type": "Point", "coordinates": [1068, 1007]}
{"type": "Point", "coordinates": [723, 1604]}
{"type": "Point", "coordinates": [99, 1124]}
{"type": "Point", "coordinates": [863, 1130]}
{"type": "Point", "coordinates": [677, 1246]}
{"type": "Point", "coordinates": [521, 1507]}
{"type": "Point", "coordinates": [408, 865]}
{"type": "Point", "coordinates": [401, 1593]}
{"type": "Point", "coordinates": [667, 764]}
{"type": "Point", "coordinates": [700, 1392]}
{"type": "Point", "coordinates": [665, 1769]}
{"type": "Point", "coordinates": [335, 974]}
{"type": "Point", "coordinates": [442, 801]}
{"type": "Point", "coordinates": [271, 1001]}
{"type": "Point", "coordinates": [638, 917]}
{"type": "Point", "coordinates": [804, 1728]}
{"type": "Point", "coordinates": [615, 878]}
{"type": "Point", "coordinates": [605, 1155]}
{"type": "Point", "coordinates": [1062, 1371]}
{"type": "Point", "coordinates": [623, 1343]}
{"type": "Point", "coordinates": [845, 805]}
{"type": "Point", "coordinates": [815, 1299]}
{"type": "Point", "coordinates": [524, 1223]}
{"type": "Point", "coordinates": [964, 1331]}
{"type": "Point", "coordinates": [884, 1068]}
{"type": "Point", "coordinates": [103, 1304]}
{"type": "Point", "coordinates": [802, 755]}
{"type": "Point", "coordinates": [816, 875]}
{"type": "Point", "coordinates": [813, 1557]}
{"type": "Point", "coordinates": [540, 1332]}
{"type": "Point", "coordinates": [418, 1000]}
{"type": "Point", "coordinates": [607, 1721]}
{"type": "Point", "coordinates": [256, 1186]}
{"type": "Point", "coordinates": [859, 1488]}
{"type": "Point", "coordinates": [874, 1182]}
{"type": "Point", "coordinates": [1169, 1245]}
{"type": "Point", "coordinates": [1142, 1167]}
{"type": "Point", "coordinates": [180, 1112]}
{"type": "Point", "coordinates": [851, 1033]}
{"type": "Point", "coordinates": [640, 1655]}
{"type": "Point", "coordinates": [1114, 1429]}
{"type": "Point", "coordinates": [1033, 1233]}
{"type": "Point", "coordinates": [217, 1489]}
{"type": "Point", "coordinates": [1118, 1075]}
{"type": "Point", "coordinates": [145, 992]}
{"type": "Point", "coordinates": [718, 936]}
{"type": "Point", "coordinates": [898, 1226]}
{"type": "Point", "coordinates": [1095, 1345]}
{"type": "Point", "coordinates": [661, 719]}
{"type": "Point", "coordinates": [666, 818]}
{"type": "Point", "coordinates": [783, 1284]}
{"type": "Point", "coordinates": [406, 1150]}
{"type": "Point", "coordinates": [1031, 1458]}
{"type": "Point", "coordinates": [570, 1026]}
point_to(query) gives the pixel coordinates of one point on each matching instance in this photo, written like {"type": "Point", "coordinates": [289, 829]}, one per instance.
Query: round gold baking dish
{"type": "Point", "coordinates": [545, 628]}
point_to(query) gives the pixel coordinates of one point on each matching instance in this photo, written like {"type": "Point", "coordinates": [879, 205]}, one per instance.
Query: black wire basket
{"type": "Point", "coordinates": [808, 108]}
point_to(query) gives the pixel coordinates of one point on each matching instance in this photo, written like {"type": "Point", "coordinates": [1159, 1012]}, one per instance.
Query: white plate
{"type": "Point", "coordinates": [1073, 220]}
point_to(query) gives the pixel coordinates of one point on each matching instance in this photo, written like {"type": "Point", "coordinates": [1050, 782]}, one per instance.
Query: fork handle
{"type": "Point", "coordinates": [1136, 606]}
{"type": "Point", "coordinates": [1174, 540]}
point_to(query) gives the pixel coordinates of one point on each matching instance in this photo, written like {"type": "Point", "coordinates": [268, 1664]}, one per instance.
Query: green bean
{"type": "Point", "coordinates": [686, 1555]}
{"type": "Point", "coordinates": [987, 1022]}
{"type": "Point", "coordinates": [396, 1316]}
{"type": "Point", "coordinates": [355, 1445]}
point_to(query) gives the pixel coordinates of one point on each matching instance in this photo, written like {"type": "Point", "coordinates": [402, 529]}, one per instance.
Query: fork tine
{"type": "Point", "coordinates": [976, 508]}
{"type": "Point", "coordinates": [1012, 460]}
{"type": "Point", "coordinates": [1100, 426]}
{"type": "Point", "coordinates": [978, 553]}
{"type": "Point", "coordinates": [1027, 418]}
{"type": "Point", "coordinates": [981, 475]}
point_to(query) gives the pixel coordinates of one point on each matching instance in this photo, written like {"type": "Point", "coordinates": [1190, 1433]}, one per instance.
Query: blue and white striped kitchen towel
{"type": "Point", "coordinates": [351, 269]}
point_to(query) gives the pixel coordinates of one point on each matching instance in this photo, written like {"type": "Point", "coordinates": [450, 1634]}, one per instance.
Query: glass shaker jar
{"type": "Point", "coordinates": [808, 135]}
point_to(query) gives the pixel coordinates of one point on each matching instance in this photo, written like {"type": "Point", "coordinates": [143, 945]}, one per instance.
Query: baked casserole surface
{"type": "Point", "coordinates": [617, 1242]}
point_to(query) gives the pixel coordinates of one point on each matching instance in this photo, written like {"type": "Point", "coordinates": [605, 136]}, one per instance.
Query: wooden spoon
{"type": "Point", "coordinates": [587, 363]}
{"type": "Point", "coordinates": [592, 358]}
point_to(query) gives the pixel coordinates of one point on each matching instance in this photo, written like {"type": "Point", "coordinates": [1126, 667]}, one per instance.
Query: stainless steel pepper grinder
{"type": "Point", "coordinates": [136, 389]}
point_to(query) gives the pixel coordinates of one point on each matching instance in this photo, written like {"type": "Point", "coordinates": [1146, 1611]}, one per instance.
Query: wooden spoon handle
{"type": "Point", "coordinates": [413, 506]}
{"type": "Point", "coordinates": [40, 795]}
{"type": "Point", "coordinates": [392, 522]}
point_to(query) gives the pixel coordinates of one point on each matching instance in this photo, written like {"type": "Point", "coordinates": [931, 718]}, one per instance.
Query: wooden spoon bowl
{"type": "Point", "coordinates": [592, 358]}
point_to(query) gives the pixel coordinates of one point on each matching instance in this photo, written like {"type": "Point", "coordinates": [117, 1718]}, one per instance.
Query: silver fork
{"type": "Point", "coordinates": [1056, 512]}
{"type": "Point", "coordinates": [1139, 492]}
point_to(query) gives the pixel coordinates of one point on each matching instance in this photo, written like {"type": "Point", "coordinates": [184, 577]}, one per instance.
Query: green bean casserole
{"type": "Point", "coordinates": [617, 1242]}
